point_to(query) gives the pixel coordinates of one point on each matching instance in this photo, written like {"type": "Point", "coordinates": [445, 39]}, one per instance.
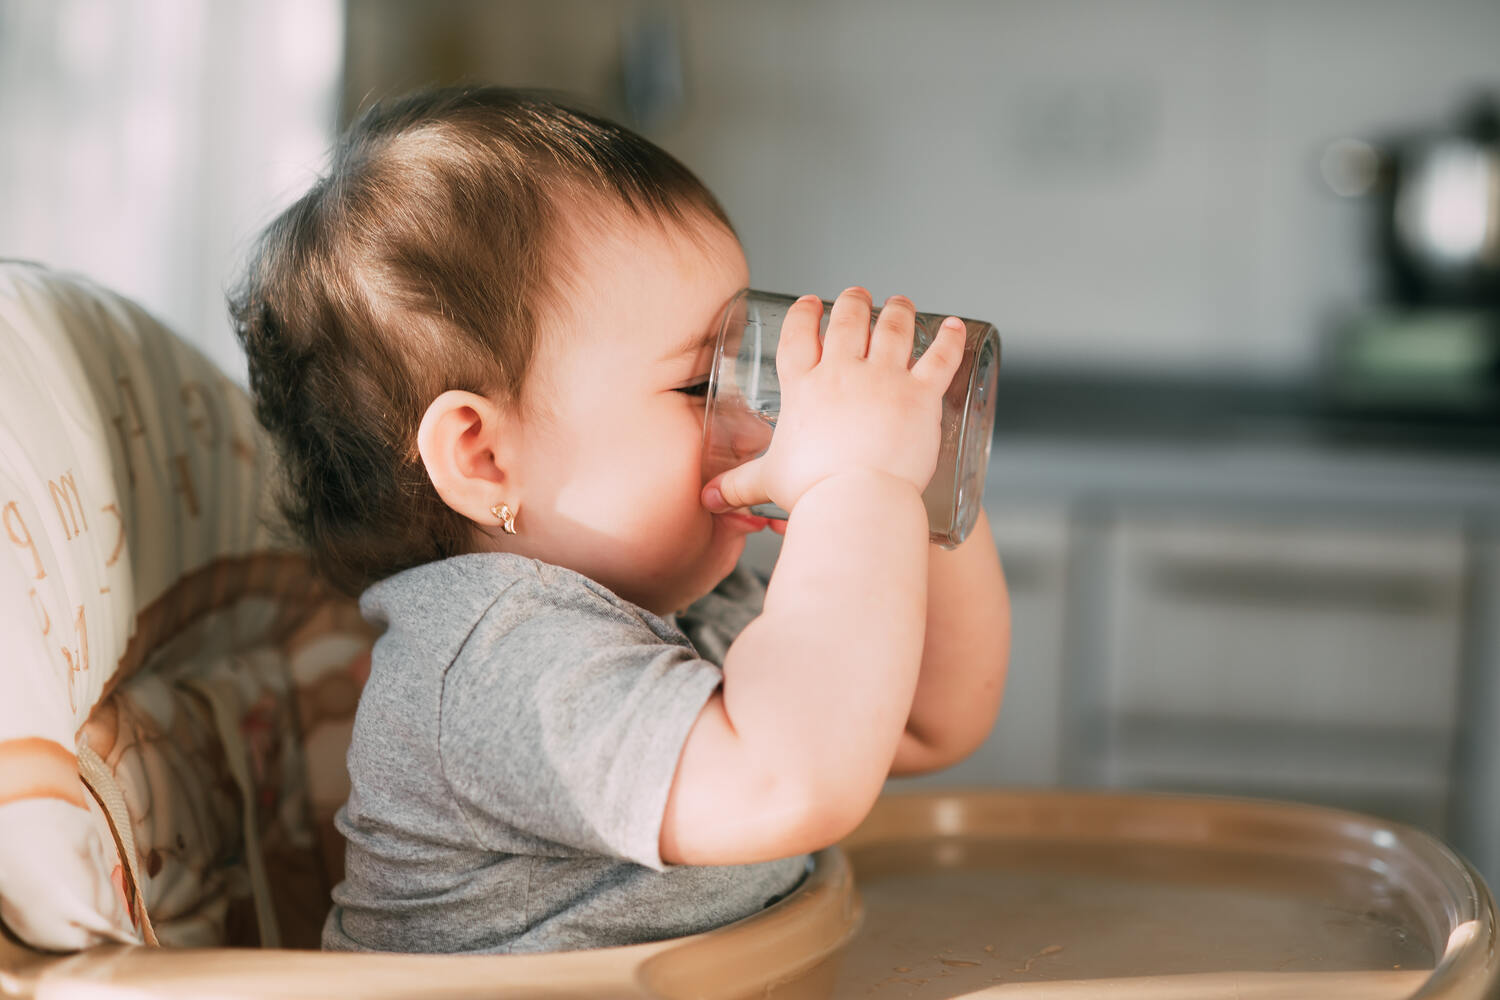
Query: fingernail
{"type": "Point", "coordinates": [808, 298]}
{"type": "Point", "coordinates": [953, 323]}
{"type": "Point", "coordinates": [713, 499]}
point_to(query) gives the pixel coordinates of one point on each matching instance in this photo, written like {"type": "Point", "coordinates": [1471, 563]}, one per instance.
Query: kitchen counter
{"type": "Point", "coordinates": [1092, 403]}
{"type": "Point", "coordinates": [1230, 442]}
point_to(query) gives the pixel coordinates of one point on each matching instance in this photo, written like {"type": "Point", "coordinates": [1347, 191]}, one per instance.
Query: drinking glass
{"type": "Point", "coordinates": [744, 400]}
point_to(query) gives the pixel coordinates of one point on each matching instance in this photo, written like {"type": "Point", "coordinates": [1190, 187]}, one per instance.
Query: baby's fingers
{"type": "Point", "coordinates": [848, 333]}
{"type": "Point", "coordinates": [890, 342]}
{"type": "Point", "coordinates": [938, 363]}
{"type": "Point", "coordinates": [798, 349]}
{"type": "Point", "coordinates": [741, 486]}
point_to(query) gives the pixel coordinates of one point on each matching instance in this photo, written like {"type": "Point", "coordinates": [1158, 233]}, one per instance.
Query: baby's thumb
{"type": "Point", "coordinates": [739, 487]}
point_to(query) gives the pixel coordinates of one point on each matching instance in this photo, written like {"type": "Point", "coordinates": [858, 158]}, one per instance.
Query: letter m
{"type": "Point", "coordinates": [67, 513]}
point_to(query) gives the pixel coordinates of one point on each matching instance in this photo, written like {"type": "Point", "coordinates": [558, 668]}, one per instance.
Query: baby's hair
{"type": "Point", "coordinates": [420, 263]}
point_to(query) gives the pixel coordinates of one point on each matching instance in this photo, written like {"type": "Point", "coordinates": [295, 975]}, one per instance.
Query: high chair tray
{"type": "Point", "coordinates": [1011, 895]}
{"type": "Point", "coordinates": [1062, 894]}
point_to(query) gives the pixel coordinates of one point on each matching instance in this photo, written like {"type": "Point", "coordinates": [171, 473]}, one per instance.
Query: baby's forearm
{"type": "Point", "coordinates": [822, 697]}
{"type": "Point", "coordinates": [791, 754]}
{"type": "Point", "coordinates": [825, 675]}
{"type": "Point", "coordinates": [965, 654]}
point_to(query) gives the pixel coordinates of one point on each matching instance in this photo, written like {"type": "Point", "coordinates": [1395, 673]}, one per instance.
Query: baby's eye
{"type": "Point", "coordinates": [695, 389]}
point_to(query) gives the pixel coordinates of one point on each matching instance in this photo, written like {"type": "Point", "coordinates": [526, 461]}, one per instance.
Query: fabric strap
{"type": "Point", "coordinates": [235, 753]}
{"type": "Point", "coordinates": [100, 781]}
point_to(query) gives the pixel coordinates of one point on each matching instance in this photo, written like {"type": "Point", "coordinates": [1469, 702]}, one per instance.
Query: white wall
{"type": "Point", "coordinates": [1117, 182]}
{"type": "Point", "coordinates": [145, 142]}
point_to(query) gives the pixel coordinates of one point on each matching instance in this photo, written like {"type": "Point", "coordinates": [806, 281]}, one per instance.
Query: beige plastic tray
{"type": "Point", "coordinates": [1007, 895]}
{"type": "Point", "coordinates": [1061, 895]}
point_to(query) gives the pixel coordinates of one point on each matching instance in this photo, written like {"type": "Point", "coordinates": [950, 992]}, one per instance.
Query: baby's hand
{"type": "Point", "coordinates": [849, 404]}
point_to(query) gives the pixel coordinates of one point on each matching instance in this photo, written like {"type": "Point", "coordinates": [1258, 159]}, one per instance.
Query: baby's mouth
{"type": "Point", "coordinates": [750, 522]}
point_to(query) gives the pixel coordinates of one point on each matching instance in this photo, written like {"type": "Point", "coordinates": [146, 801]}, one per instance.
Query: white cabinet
{"type": "Point", "coordinates": [1297, 658]}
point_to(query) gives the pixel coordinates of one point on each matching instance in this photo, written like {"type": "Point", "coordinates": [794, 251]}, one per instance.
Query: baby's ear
{"type": "Point", "coordinates": [459, 440]}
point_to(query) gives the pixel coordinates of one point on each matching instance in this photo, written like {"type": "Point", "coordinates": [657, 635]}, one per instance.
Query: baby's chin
{"type": "Point", "coordinates": [725, 556]}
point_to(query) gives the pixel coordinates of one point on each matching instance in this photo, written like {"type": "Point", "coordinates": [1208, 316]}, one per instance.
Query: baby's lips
{"type": "Point", "coordinates": [750, 522]}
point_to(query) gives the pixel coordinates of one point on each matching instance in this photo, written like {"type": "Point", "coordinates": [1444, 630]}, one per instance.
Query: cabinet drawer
{"type": "Point", "coordinates": [1403, 774]}
{"type": "Point", "coordinates": [1309, 623]}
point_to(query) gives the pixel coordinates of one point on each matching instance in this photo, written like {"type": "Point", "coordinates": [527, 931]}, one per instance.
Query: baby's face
{"type": "Point", "coordinates": [611, 471]}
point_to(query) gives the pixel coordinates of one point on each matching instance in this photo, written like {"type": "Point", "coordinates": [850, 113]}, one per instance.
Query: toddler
{"type": "Point", "coordinates": [481, 343]}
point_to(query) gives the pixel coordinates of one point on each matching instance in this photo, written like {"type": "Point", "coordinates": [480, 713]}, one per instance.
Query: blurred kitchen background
{"type": "Point", "coordinates": [1244, 256]}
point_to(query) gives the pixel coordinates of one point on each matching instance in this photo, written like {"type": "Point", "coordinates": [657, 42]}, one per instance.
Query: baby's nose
{"type": "Point", "coordinates": [749, 434]}
{"type": "Point", "coordinates": [735, 435]}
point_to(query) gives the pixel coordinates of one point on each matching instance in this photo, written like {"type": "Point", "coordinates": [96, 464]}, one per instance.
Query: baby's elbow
{"type": "Point", "coordinates": [960, 735]}
{"type": "Point", "coordinates": [923, 752]}
{"type": "Point", "coordinates": [825, 815]}
{"type": "Point", "coordinates": [961, 748]}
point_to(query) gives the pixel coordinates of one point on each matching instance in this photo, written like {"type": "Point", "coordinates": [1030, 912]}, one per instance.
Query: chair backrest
{"type": "Point", "coordinates": [178, 687]}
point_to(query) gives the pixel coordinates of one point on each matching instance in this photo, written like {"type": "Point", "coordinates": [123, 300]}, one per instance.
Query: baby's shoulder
{"type": "Point", "coordinates": [552, 631]}
{"type": "Point", "coordinates": [496, 607]}
{"type": "Point", "coordinates": [446, 592]}
{"type": "Point", "coordinates": [497, 592]}
{"type": "Point", "coordinates": [557, 599]}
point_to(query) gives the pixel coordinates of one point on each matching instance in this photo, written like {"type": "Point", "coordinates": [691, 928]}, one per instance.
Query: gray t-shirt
{"type": "Point", "coordinates": [511, 759]}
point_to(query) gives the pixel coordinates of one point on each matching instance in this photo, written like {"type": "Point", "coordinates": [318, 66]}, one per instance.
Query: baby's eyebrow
{"type": "Point", "coordinates": [695, 343]}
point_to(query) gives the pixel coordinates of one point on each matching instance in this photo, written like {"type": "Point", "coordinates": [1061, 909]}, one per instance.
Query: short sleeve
{"type": "Point", "coordinates": [562, 725]}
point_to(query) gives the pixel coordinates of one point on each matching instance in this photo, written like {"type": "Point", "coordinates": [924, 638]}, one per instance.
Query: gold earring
{"type": "Point", "coordinates": [506, 516]}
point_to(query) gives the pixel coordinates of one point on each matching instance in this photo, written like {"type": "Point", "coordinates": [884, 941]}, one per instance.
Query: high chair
{"type": "Point", "coordinates": [176, 701]}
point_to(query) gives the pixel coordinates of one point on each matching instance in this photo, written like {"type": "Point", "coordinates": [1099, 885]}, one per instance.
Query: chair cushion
{"type": "Point", "coordinates": [157, 616]}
